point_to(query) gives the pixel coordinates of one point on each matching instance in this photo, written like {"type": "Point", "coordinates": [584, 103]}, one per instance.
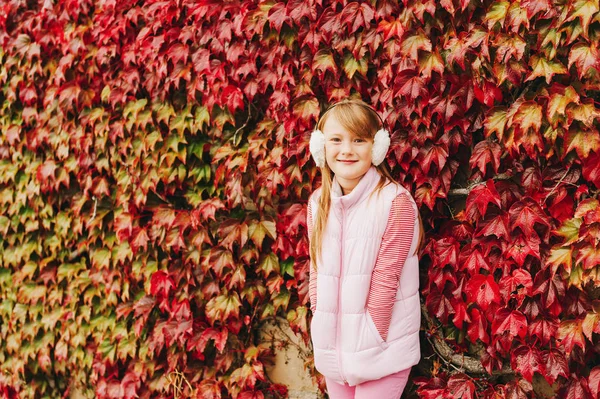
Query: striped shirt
{"type": "Point", "coordinates": [392, 254]}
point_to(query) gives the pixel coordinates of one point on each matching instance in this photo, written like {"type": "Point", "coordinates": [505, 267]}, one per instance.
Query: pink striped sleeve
{"type": "Point", "coordinates": [393, 252]}
{"type": "Point", "coordinates": [312, 280]}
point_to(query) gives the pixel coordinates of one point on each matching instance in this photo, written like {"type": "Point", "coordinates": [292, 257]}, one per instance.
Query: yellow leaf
{"type": "Point", "coordinates": [582, 141]}
{"type": "Point", "coordinates": [547, 69]}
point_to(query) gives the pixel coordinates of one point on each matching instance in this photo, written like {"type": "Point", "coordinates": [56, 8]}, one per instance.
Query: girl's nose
{"type": "Point", "coordinates": [346, 147]}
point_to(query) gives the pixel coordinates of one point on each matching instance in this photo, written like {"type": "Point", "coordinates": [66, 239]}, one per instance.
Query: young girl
{"type": "Point", "coordinates": [364, 233]}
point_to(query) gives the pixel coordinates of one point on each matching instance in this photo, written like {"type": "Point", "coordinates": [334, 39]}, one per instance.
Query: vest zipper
{"type": "Point", "coordinates": [340, 297]}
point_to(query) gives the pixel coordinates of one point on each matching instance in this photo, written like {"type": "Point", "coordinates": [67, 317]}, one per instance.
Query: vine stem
{"type": "Point", "coordinates": [460, 362]}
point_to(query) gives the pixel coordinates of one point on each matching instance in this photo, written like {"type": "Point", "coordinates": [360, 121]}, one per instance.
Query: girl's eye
{"type": "Point", "coordinates": [335, 139]}
{"type": "Point", "coordinates": [359, 140]}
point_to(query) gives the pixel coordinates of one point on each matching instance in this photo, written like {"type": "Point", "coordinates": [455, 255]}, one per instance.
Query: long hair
{"type": "Point", "coordinates": [362, 120]}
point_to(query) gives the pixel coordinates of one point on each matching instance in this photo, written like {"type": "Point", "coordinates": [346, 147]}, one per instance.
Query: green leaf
{"type": "Point", "coordinates": [269, 264]}
{"type": "Point", "coordinates": [495, 122]}
{"type": "Point", "coordinates": [323, 61]}
{"type": "Point", "coordinates": [307, 108]}
{"type": "Point", "coordinates": [100, 258]}
{"type": "Point", "coordinates": [569, 231]}
{"type": "Point", "coordinates": [223, 306]}
{"type": "Point", "coordinates": [411, 45]}
{"type": "Point", "coordinates": [287, 267]}
{"type": "Point", "coordinates": [259, 229]}
{"type": "Point", "coordinates": [584, 10]}
{"type": "Point", "coordinates": [544, 68]}
{"type": "Point", "coordinates": [496, 13]}
{"type": "Point", "coordinates": [582, 141]}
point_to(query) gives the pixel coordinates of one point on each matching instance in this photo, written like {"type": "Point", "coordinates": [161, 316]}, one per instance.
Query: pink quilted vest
{"type": "Point", "coordinates": [347, 346]}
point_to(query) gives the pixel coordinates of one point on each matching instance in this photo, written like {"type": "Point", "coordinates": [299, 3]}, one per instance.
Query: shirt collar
{"type": "Point", "coordinates": [363, 189]}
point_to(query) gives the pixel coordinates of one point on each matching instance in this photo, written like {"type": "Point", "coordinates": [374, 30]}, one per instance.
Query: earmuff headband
{"type": "Point", "coordinates": [381, 141]}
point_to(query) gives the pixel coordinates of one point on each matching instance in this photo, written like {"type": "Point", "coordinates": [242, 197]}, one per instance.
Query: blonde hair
{"type": "Point", "coordinates": [362, 120]}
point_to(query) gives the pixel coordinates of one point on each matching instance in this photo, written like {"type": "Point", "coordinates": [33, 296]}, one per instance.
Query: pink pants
{"type": "Point", "coordinates": [389, 387]}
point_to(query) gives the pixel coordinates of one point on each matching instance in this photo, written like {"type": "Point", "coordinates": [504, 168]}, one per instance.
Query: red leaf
{"type": "Point", "coordinates": [555, 364]}
{"type": "Point", "coordinates": [594, 382]}
{"type": "Point", "coordinates": [519, 284]}
{"type": "Point", "coordinates": [591, 168]}
{"type": "Point", "coordinates": [251, 395]}
{"type": "Point", "coordinates": [477, 329]}
{"type": "Point", "coordinates": [486, 153]}
{"type": "Point", "coordinates": [525, 214]}
{"type": "Point", "coordinates": [161, 283]}
{"type": "Point", "coordinates": [498, 226]}
{"type": "Point", "coordinates": [472, 260]}
{"type": "Point", "coordinates": [209, 389]}
{"type": "Point", "coordinates": [277, 16]}
{"type": "Point", "coordinates": [233, 97]}
{"type": "Point", "coordinates": [45, 171]}
{"type": "Point", "coordinates": [139, 239]}
{"type": "Point", "coordinates": [439, 306]}
{"type": "Point", "coordinates": [511, 321]}
{"type": "Point", "coordinates": [433, 154]}
{"type": "Point", "coordinates": [527, 360]}
{"type": "Point", "coordinates": [545, 329]}
{"type": "Point", "coordinates": [535, 6]}
{"type": "Point", "coordinates": [522, 247]}
{"type": "Point", "coordinates": [460, 314]}
{"type": "Point", "coordinates": [358, 15]}
{"type": "Point", "coordinates": [479, 198]}
{"type": "Point", "coordinates": [483, 290]}
{"type": "Point", "coordinates": [461, 386]}
{"type": "Point", "coordinates": [578, 388]}
{"type": "Point", "coordinates": [570, 334]}
{"type": "Point", "coordinates": [488, 94]}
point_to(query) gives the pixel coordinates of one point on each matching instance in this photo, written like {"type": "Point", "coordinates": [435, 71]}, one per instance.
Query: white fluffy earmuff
{"type": "Point", "coordinates": [381, 144]}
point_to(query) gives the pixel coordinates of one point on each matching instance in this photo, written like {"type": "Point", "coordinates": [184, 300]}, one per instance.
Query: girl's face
{"type": "Point", "coordinates": [347, 155]}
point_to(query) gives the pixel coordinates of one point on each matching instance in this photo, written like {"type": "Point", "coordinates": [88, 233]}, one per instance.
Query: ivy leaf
{"type": "Point", "coordinates": [591, 169]}
{"type": "Point", "coordinates": [511, 321]}
{"type": "Point", "coordinates": [488, 94]}
{"type": "Point", "coordinates": [594, 381]}
{"type": "Point", "coordinates": [545, 68]}
{"type": "Point", "coordinates": [585, 112]}
{"type": "Point", "coordinates": [351, 65]}
{"type": "Point", "coordinates": [584, 57]}
{"type": "Point", "coordinates": [584, 10]}
{"type": "Point", "coordinates": [495, 122]}
{"type": "Point", "coordinates": [259, 229]}
{"type": "Point", "coordinates": [358, 15]}
{"type": "Point", "coordinates": [461, 386]}
{"type": "Point", "coordinates": [431, 62]}
{"type": "Point", "coordinates": [529, 115]}
{"type": "Point", "coordinates": [525, 215]}
{"type": "Point", "coordinates": [591, 323]}
{"type": "Point", "coordinates": [486, 153]}
{"type": "Point", "coordinates": [479, 199]}
{"type": "Point", "coordinates": [543, 328]}
{"type": "Point", "coordinates": [527, 360]}
{"type": "Point", "coordinates": [223, 307]}
{"type": "Point", "coordinates": [559, 102]}
{"type": "Point", "coordinates": [161, 283]}
{"type": "Point", "coordinates": [323, 61]}
{"type": "Point", "coordinates": [570, 333]}
{"type": "Point", "coordinates": [560, 256]}
{"type": "Point", "coordinates": [535, 6]}
{"type": "Point", "coordinates": [496, 14]}
{"type": "Point", "coordinates": [478, 327]}
{"type": "Point", "coordinates": [582, 141]}
{"type": "Point", "coordinates": [390, 29]}
{"type": "Point", "coordinates": [412, 44]}
{"type": "Point", "coordinates": [483, 290]}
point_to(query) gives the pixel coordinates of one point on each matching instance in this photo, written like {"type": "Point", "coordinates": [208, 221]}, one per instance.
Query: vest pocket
{"type": "Point", "coordinates": [373, 329]}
